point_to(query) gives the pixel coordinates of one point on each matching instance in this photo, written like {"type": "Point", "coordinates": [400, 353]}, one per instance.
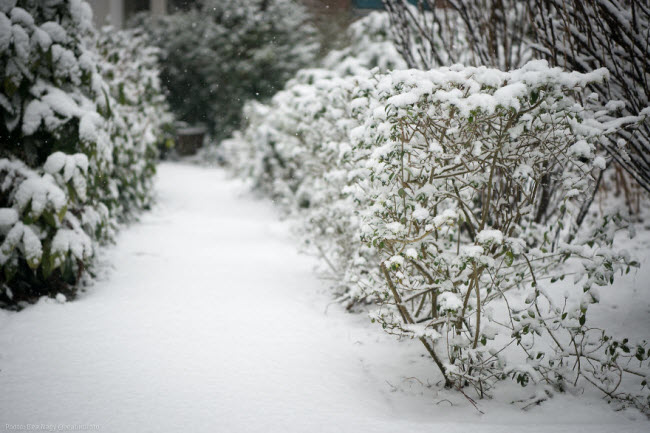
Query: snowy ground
{"type": "Point", "coordinates": [209, 320]}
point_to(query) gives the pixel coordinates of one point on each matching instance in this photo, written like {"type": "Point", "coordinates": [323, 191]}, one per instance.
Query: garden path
{"type": "Point", "coordinates": [205, 318]}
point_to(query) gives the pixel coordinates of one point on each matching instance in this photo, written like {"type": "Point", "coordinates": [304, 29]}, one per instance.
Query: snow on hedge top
{"type": "Point", "coordinates": [488, 236]}
{"type": "Point", "coordinates": [471, 88]}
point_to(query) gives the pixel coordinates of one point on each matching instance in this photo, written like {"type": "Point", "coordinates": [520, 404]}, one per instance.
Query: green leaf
{"type": "Point", "coordinates": [10, 87]}
{"type": "Point", "coordinates": [10, 271]}
{"type": "Point", "coordinates": [48, 265]}
{"type": "Point", "coordinates": [61, 214]}
{"type": "Point", "coordinates": [49, 218]}
{"type": "Point", "coordinates": [33, 263]}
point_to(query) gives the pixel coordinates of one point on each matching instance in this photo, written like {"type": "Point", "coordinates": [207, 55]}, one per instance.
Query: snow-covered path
{"type": "Point", "coordinates": [209, 320]}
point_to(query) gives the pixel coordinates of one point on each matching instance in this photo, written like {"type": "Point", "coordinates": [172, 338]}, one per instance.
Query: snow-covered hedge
{"type": "Point", "coordinates": [472, 238]}
{"type": "Point", "coordinates": [227, 52]}
{"type": "Point", "coordinates": [75, 157]}
{"type": "Point", "coordinates": [449, 197]}
{"type": "Point", "coordinates": [130, 69]}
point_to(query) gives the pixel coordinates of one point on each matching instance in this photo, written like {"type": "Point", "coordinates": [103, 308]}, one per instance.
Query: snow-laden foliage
{"type": "Point", "coordinates": [577, 35]}
{"type": "Point", "coordinates": [130, 69]}
{"type": "Point", "coordinates": [450, 197]}
{"type": "Point", "coordinates": [74, 159]}
{"type": "Point", "coordinates": [471, 243]}
{"type": "Point", "coordinates": [226, 52]}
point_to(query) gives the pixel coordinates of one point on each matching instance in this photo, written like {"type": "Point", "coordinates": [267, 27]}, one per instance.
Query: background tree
{"type": "Point", "coordinates": [438, 33]}
{"type": "Point", "coordinates": [583, 35]}
{"type": "Point", "coordinates": [221, 53]}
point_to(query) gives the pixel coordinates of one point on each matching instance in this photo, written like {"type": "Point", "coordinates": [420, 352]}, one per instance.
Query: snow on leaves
{"type": "Point", "coordinates": [445, 195]}
{"type": "Point", "coordinates": [80, 157]}
{"type": "Point", "coordinates": [475, 178]}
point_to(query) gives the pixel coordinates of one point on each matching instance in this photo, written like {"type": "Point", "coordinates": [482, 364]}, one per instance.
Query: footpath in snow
{"type": "Point", "coordinates": [209, 320]}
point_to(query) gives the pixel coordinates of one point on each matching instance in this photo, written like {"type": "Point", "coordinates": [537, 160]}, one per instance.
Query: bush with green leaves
{"type": "Point", "coordinates": [474, 250]}
{"type": "Point", "coordinates": [450, 198]}
{"type": "Point", "coordinates": [130, 69]}
{"type": "Point", "coordinates": [225, 52]}
{"type": "Point", "coordinates": [74, 161]}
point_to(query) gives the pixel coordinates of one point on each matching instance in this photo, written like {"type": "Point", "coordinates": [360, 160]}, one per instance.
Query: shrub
{"type": "Point", "coordinates": [450, 198]}
{"type": "Point", "coordinates": [130, 69]}
{"type": "Point", "coordinates": [226, 52]}
{"type": "Point", "coordinates": [74, 161]}
{"type": "Point", "coordinates": [471, 244]}
{"type": "Point", "coordinates": [574, 34]}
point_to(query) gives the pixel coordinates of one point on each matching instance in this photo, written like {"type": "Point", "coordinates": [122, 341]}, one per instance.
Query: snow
{"type": "Point", "coordinates": [449, 301]}
{"type": "Point", "coordinates": [55, 162]}
{"type": "Point", "coordinates": [396, 260]}
{"type": "Point", "coordinates": [39, 192]}
{"type": "Point", "coordinates": [210, 321]}
{"type": "Point", "coordinates": [59, 101]}
{"type": "Point", "coordinates": [82, 14]}
{"type": "Point", "coordinates": [42, 39]}
{"type": "Point", "coordinates": [75, 241]}
{"type": "Point", "coordinates": [35, 112]}
{"type": "Point", "coordinates": [89, 126]}
{"type": "Point", "coordinates": [55, 31]}
{"type": "Point", "coordinates": [509, 93]}
{"type": "Point", "coordinates": [600, 162]}
{"type": "Point", "coordinates": [5, 32]}
{"type": "Point", "coordinates": [21, 16]}
{"type": "Point", "coordinates": [395, 227]}
{"type": "Point", "coordinates": [488, 236]}
{"type": "Point", "coordinates": [581, 149]}
{"type": "Point", "coordinates": [32, 245]}
{"type": "Point", "coordinates": [420, 214]}
{"type": "Point", "coordinates": [8, 217]}
{"type": "Point", "coordinates": [448, 216]}
{"type": "Point", "coordinates": [7, 5]}
{"type": "Point", "coordinates": [21, 41]}
{"type": "Point", "coordinates": [404, 99]}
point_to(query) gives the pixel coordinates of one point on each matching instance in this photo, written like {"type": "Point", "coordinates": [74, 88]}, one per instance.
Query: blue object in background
{"type": "Point", "coordinates": [376, 4]}
{"type": "Point", "coordinates": [367, 4]}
